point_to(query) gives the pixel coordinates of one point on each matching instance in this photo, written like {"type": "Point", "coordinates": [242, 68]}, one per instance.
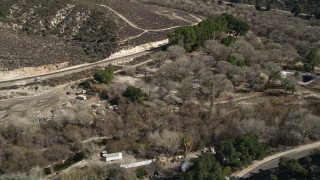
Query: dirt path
{"type": "Point", "coordinates": [122, 17]}
{"type": "Point", "coordinates": [239, 99]}
{"type": "Point", "coordinates": [96, 138]}
{"type": "Point", "coordinates": [145, 30]}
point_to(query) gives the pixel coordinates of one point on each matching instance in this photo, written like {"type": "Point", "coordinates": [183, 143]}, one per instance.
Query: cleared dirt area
{"type": "Point", "coordinates": [45, 104]}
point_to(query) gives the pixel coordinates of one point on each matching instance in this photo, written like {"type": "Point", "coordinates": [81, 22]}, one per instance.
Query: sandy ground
{"type": "Point", "coordinates": [127, 80]}
{"type": "Point", "coordinates": [50, 103]}
{"type": "Point", "coordinates": [30, 71]}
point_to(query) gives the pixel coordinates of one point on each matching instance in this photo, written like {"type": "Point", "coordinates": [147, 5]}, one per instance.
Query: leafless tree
{"type": "Point", "coordinates": [175, 52]}
{"type": "Point", "coordinates": [217, 50]}
{"type": "Point", "coordinates": [186, 90]}
{"type": "Point", "coordinates": [169, 140]}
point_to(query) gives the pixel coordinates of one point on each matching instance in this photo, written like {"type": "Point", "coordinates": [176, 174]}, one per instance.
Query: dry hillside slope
{"type": "Point", "coordinates": [40, 32]}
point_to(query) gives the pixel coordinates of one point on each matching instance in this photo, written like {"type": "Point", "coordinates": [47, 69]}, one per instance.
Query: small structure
{"type": "Point", "coordinates": [113, 107]}
{"type": "Point", "coordinates": [82, 97]}
{"type": "Point", "coordinates": [184, 166]}
{"type": "Point", "coordinates": [38, 79]}
{"type": "Point", "coordinates": [41, 120]}
{"type": "Point", "coordinates": [285, 74]}
{"type": "Point", "coordinates": [208, 150]}
{"type": "Point", "coordinates": [81, 92]}
{"type": "Point", "coordinates": [111, 157]}
{"type": "Point", "coordinates": [95, 105]}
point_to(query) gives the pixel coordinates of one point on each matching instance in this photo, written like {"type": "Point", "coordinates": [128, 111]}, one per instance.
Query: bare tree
{"type": "Point", "coordinates": [175, 52]}
{"type": "Point", "coordinates": [186, 90]}
{"type": "Point", "coordinates": [168, 140]}
{"type": "Point", "coordinates": [217, 50]}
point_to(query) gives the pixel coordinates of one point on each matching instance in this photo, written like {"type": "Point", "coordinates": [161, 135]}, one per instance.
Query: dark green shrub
{"type": "Point", "coordinates": [104, 76]}
{"type": "Point", "coordinates": [228, 40]}
{"type": "Point", "coordinates": [232, 59]}
{"type": "Point", "coordinates": [134, 94]}
{"type": "Point", "coordinates": [141, 173]}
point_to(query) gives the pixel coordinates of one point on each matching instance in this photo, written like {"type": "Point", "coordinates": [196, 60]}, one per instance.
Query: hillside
{"type": "Point", "coordinates": [305, 6]}
{"type": "Point", "coordinates": [78, 31]}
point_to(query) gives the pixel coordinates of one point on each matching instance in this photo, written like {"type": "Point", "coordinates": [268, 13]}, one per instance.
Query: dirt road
{"type": "Point", "coordinates": [272, 161]}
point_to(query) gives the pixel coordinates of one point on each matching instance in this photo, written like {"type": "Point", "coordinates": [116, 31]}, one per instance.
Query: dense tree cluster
{"type": "Point", "coordinates": [240, 151]}
{"type": "Point", "coordinates": [231, 154]}
{"type": "Point", "coordinates": [193, 37]}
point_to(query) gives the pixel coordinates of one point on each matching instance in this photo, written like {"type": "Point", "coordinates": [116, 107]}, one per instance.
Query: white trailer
{"type": "Point", "coordinates": [111, 157]}
{"type": "Point", "coordinates": [82, 97]}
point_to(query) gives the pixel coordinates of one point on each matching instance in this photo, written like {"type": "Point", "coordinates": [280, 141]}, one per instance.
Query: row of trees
{"type": "Point", "coordinates": [193, 37]}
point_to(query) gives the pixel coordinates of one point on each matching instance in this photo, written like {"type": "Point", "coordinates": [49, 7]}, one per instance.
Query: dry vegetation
{"type": "Point", "coordinates": [20, 50]}
{"type": "Point", "coordinates": [192, 95]}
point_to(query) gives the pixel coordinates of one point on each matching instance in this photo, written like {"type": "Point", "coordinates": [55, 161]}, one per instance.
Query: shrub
{"type": "Point", "coordinates": [104, 76]}
{"type": "Point", "coordinates": [232, 59]}
{"type": "Point", "coordinates": [134, 94]}
{"type": "Point", "coordinates": [2, 14]}
{"type": "Point", "coordinates": [258, 6]}
{"type": "Point", "coordinates": [141, 173]}
{"type": "Point", "coordinates": [312, 60]}
{"type": "Point", "coordinates": [228, 40]}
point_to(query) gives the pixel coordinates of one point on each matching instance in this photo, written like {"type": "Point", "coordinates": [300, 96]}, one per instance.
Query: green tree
{"type": "Point", "coordinates": [141, 173]}
{"type": "Point", "coordinates": [228, 40]}
{"type": "Point", "coordinates": [240, 151]}
{"type": "Point", "coordinates": [312, 60]}
{"type": "Point", "coordinates": [289, 85]}
{"type": "Point", "coordinates": [193, 37]}
{"type": "Point", "coordinates": [237, 26]}
{"type": "Point", "coordinates": [186, 143]}
{"type": "Point", "coordinates": [134, 94]}
{"type": "Point", "coordinates": [1, 14]}
{"type": "Point", "coordinates": [317, 14]}
{"type": "Point", "coordinates": [296, 10]}
{"type": "Point", "coordinates": [258, 7]}
{"type": "Point", "coordinates": [232, 59]}
{"type": "Point", "coordinates": [104, 76]}
{"type": "Point", "coordinates": [268, 8]}
{"type": "Point", "coordinates": [292, 168]}
{"type": "Point", "coordinates": [203, 168]}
